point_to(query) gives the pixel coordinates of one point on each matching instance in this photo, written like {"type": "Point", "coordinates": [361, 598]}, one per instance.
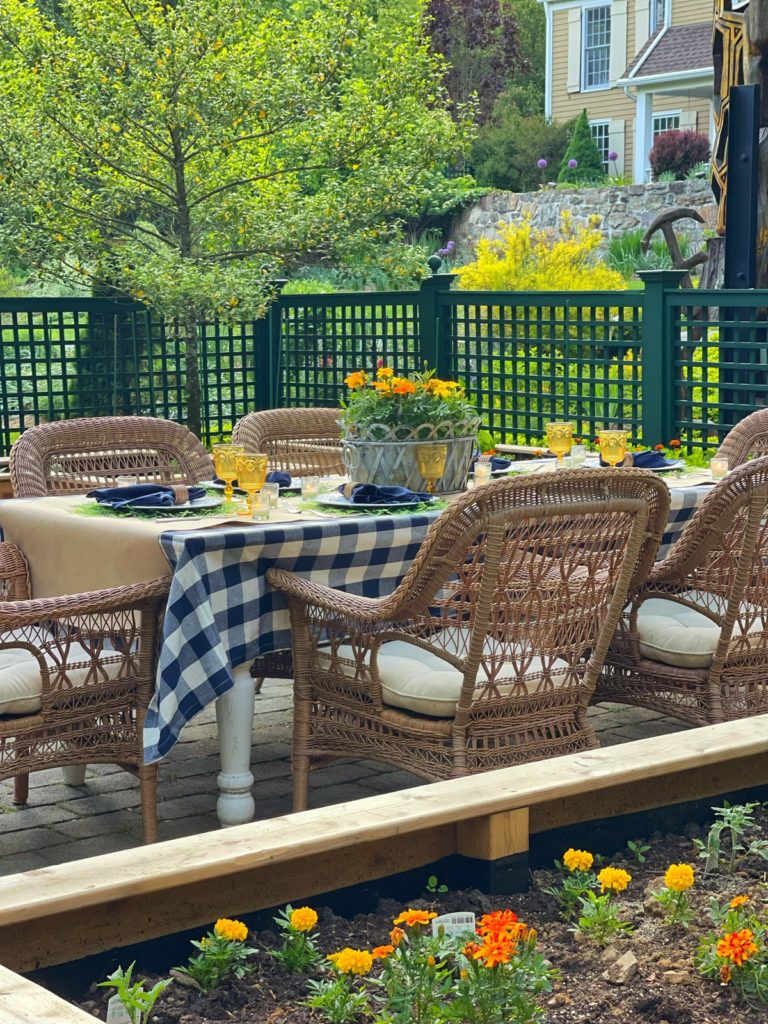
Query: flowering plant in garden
{"type": "Point", "coordinates": [736, 951]}
{"type": "Point", "coordinates": [576, 883]}
{"type": "Point", "coordinates": [672, 896]}
{"type": "Point", "coordinates": [388, 405]}
{"type": "Point", "coordinates": [223, 955]}
{"type": "Point", "coordinates": [298, 951]}
{"type": "Point", "coordinates": [599, 919]}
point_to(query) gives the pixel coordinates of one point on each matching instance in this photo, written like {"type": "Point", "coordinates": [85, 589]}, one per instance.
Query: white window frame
{"type": "Point", "coordinates": [658, 115]}
{"type": "Point", "coordinates": [584, 63]}
{"type": "Point", "coordinates": [652, 23]}
{"type": "Point", "coordinates": [606, 124]}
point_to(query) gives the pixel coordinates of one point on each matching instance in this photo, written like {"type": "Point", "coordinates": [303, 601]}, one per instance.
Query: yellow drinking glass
{"type": "Point", "coordinates": [224, 458]}
{"type": "Point", "coordinates": [251, 474]}
{"type": "Point", "coordinates": [431, 461]}
{"type": "Point", "coordinates": [559, 440]}
{"type": "Point", "coordinates": [613, 446]}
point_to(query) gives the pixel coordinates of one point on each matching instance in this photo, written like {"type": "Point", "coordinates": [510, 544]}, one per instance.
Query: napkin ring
{"type": "Point", "coordinates": [180, 494]}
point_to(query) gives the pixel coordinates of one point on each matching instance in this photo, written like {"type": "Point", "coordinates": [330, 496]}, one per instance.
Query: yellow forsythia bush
{"type": "Point", "coordinates": [524, 259]}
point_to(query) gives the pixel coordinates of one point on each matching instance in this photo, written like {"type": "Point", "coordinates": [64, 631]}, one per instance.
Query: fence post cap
{"type": "Point", "coordinates": [670, 278]}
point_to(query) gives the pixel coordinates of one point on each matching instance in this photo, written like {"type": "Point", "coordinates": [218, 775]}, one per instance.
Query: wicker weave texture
{"type": "Point", "coordinates": [516, 570]}
{"type": "Point", "coordinates": [720, 567]}
{"type": "Point", "coordinates": [73, 456]}
{"type": "Point", "coordinates": [97, 657]}
{"type": "Point", "coordinates": [747, 440]}
{"type": "Point", "coordinates": [297, 441]}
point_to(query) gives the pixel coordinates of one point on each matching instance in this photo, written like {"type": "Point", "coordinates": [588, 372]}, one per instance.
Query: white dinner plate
{"type": "Point", "coordinates": [207, 502]}
{"type": "Point", "coordinates": [339, 501]}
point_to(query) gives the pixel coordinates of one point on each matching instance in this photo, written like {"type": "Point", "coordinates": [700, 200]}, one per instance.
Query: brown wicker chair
{"type": "Point", "coordinates": [297, 441]}
{"type": "Point", "coordinates": [76, 676]}
{"type": "Point", "coordinates": [72, 456]}
{"type": "Point", "coordinates": [747, 440]}
{"type": "Point", "coordinates": [695, 642]}
{"type": "Point", "coordinates": [487, 653]}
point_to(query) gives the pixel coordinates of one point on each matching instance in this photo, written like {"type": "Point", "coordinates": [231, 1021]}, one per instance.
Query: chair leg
{"type": "Point", "coordinates": [148, 785]}
{"type": "Point", "coordinates": [258, 682]}
{"type": "Point", "coordinates": [300, 782]}
{"type": "Point", "coordinates": [21, 789]}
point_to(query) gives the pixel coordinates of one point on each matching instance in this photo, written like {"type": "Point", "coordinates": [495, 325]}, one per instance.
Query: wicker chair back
{"type": "Point", "coordinates": [297, 441]}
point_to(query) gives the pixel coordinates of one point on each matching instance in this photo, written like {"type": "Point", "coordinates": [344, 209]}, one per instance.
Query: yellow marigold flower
{"type": "Point", "coordinates": [303, 919]}
{"type": "Point", "coordinates": [358, 379]}
{"type": "Point", "coordinates": [411, 918]}
{"type": "Point", "coordinates": [738, 901]}
{"type": "Point", "coordinates": [614, 878]}
{"type": "Point", "coordinates": [396, 936]}
{"type": "Point", "coordinates": [463, 974]}
{"type": "Point", "coordinates": [679, 877]}
{"type": "Point", "coordinates": [352, 961]}
{"type": "Point", "coordinates": [235, 931]}
{"type": "Point", "coordinates": [431, 961]}
{"type": "Point", "coordinates": [382, 952]}
{"type": "Point", "coordinates": [578, 860]}
{"type": "Point", "coordinates": [384, 371]}
{"type": "Point", "coordinates": [737, 946]}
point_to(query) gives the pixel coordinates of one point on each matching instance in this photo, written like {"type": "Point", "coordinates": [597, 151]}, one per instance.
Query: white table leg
{"type": "Point", "coordinates": [74, 775]}
{"type": "Point", "coordinates": [234, 715]}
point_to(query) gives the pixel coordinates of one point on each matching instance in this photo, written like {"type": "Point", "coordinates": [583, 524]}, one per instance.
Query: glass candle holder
{"type": "Point", "coordinates": [310, 486]}
{"type": "Point", "coordinates": [718, 468]}
{"type": "Point", "coordinates": [273, 490]}
{"type": "Point", "coordinates": [578, 455]}
{"type": "Point", "coordinates": [126, 480]}
{"type": "Point", "coordinates": [482, 472]}
{"type": "Point", "coordinates": [262, 505]}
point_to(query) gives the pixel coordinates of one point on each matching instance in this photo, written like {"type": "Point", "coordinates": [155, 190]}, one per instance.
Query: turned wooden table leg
{"type": "Point", "coordinates": [234, 715]}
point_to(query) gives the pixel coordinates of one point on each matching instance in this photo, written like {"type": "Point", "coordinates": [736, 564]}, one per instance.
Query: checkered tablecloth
{"type": "Point", "coordinates": [222, 613]}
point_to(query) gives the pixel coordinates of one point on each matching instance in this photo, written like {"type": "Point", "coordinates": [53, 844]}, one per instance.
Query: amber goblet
{"type": "Point", "coordinates": [431, 461]}
{"type": "Point", "coordinates": [559, 440]}
{"type": "Point", "coordinates": [613, 446]}
{"type": "Point", "coordinates": [224, 462]}
{"type": "Point", "coordinates": [251, 474]}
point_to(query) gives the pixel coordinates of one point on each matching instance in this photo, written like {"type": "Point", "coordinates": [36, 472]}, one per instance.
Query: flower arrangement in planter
{"type": "Point", "coordinates": [386, 419]}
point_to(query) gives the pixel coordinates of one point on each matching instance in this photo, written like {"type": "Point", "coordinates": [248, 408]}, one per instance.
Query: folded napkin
{"type": "Point", "coordinates": [146, 494]}
{"type": "Point", "coordinates": [277, 476]}
{"type": "Point", "coordinates": [495, 461]}
{"type": "Point", "coordinates": [647, 460]}
{"type": "Point", "coordinates": [373, 494]}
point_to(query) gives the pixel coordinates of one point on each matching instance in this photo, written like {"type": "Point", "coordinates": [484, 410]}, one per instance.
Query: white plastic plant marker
{"type": "Point", "coordinates": [460, 923]}
{"type": "Point", "coordinates": [117, 1013]}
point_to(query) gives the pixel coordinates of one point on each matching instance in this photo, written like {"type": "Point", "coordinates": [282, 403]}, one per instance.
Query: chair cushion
{"type": "Point", "coordinates": [418, 680]}
{"type": "Point", "coordinates": [21, 684]}
{"type": "Point", "coordinates": [676, 635]}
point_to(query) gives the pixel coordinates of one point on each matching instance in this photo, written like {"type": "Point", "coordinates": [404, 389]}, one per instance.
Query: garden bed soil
{"type": "Point", "coordinates": [666, 989]}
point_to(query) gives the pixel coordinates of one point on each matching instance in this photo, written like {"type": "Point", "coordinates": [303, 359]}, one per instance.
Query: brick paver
{"type": "Point", "coordinates": [63, 823]}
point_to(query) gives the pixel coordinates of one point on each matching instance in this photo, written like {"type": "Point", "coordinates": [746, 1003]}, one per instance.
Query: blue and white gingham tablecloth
{"type": "Point", "coordinates": [222, 612]}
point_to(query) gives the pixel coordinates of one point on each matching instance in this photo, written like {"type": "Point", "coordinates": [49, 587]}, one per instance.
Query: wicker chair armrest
{"type": "Point", "coordinates": [304, 591]}
{"type": "Point", "coordinates": [16, 614]}
{"type": "Point", "coordinates": [14, 571]}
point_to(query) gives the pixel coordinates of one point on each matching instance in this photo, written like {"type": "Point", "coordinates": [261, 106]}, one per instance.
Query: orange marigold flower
{"type": "Point", "coordinates": [303, 919]}
{"type": "Point", "coordinates": [470, 948]}
{"type": "Point", "coordinates": [658, 447]}
{"type": "Point", "coordinates": [578, 860]}
{"type": "Point", "coordinates": [358, 379]}
{"type": "Point", "coordinates": [384, 371]}
{"type": "Point", "coordinates": [498, 921]}
{"type": "Point", "coordinates": [382, 952]}
{"type": "Point", "coordinates": [737, 946]}
{"type": "Point", "coordinates": [497, 949]}
{"type": "Point", "coordinates": [401, 386]}
{"type": "Point", "coordinates": [738, 901]}
{"type": "Point", "coordinates": [674, 443]}
{"type": "Point", "coordinates": [679, 877]}
{"type": "Point", "coordinates": [615, 879]}
{"type": "Point", "coordinates": [235, 931]}
{"type": "Point", "coordinates": [396, 936]}
{"type": "Point", "coordinates": [726, 973]}
{"type": "Point", "coordinates": [431, 961]}
{"type": "Point", "coordinates": [411, 917]}
{"type": "Point", "coordinates": [382, 386]}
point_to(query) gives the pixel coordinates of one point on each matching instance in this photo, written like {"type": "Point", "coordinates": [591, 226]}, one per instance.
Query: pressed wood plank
{"type": "Point", "coordinates": [23, 1002]}
{"type": "Point", "coordinates": [189, 860]}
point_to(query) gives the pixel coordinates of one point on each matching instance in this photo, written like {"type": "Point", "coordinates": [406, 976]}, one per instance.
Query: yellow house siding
{"type": "Point", "coordinates": [690, 12]}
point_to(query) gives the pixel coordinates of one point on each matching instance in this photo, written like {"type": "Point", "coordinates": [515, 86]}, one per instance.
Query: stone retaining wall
{"type": "Point", "coordinates": [620, 208]}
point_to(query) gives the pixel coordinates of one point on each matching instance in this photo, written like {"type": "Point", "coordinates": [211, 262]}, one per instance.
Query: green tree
{"type": "Point", "coordinates": [588, 167]}
{"type": "Point", "coordinates": [188, 152]}
{"type": "Point", "coordinates": [508, 148]}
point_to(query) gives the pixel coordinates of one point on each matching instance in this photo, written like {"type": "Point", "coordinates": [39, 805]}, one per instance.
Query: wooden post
{"type": "Point", "coordinates": [495, 851]}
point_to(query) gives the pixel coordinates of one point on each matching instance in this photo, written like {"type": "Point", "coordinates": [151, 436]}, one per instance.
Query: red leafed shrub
{"type": "Point", "coordinates": [677, 152]}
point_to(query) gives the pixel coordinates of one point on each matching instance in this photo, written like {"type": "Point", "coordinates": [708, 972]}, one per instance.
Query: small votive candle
{"type": "Point", "coordinates": [261, 504]}
{"type": "Point", "coordinates": [578, 455]}
{"type": "Point", "coordinates": [310, 486]}
{"type": "Point", "coordinates": [273, 490]}
{"type": "Point", "coordinates": [482, 472]}
{"type": "Point", "coordinates": [718, 468]}
{"type": "Point", "coordinates": [126, 480]}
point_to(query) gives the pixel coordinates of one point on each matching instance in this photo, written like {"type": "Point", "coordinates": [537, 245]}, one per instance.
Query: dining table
{"type": "Point", "coordinates": [221, 611]}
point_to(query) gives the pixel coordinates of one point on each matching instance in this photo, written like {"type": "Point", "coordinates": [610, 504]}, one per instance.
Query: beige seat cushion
{"type": "Point", "coordinates": [21, 684]}
{"type": "Point", "coordinates": [418, 680]}
{"type": "Point", "coordinates": [676, 635]}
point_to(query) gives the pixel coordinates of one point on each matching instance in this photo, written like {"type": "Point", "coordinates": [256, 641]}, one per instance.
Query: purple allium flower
{"type": "Point", "coordinates": [450, 246]}
{"type": "Point", "coordinates": [573, 164]}
{"type": "Point", "coordinates": [613, 156]}
{"type": "Point", "coordinates": [541, 164]}
{"type": "Point", "coordinates": [443, 252]}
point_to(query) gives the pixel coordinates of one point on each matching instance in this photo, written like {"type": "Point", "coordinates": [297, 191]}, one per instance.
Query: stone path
{"type": "Point", "coordinates": [63, 823]}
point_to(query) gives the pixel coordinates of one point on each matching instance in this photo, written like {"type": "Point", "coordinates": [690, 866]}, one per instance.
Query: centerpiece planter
{"type": "Point", "coordinates": [395, 427]}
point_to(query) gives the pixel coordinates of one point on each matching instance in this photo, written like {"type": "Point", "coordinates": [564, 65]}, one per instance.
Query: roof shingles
{"type": "Point", "coordinates": [680, 48]}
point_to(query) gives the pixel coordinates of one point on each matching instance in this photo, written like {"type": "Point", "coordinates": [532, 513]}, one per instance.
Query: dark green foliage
{"type": "Point", "coordinates": [508, 148]}
{"type": "Point", "coordinates": [582, 149]}
{"type": "Point", "coordinates": [676, 152]}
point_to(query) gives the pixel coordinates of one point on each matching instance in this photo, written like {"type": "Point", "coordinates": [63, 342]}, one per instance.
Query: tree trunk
{"type": "Point", "coordinates": [189, 335]}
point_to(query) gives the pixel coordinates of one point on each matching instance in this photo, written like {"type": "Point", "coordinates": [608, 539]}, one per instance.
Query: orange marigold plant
{"type": "Point", "coordinates": [412, 918]}
{"type": "Point", "coordinates": [737, 946]}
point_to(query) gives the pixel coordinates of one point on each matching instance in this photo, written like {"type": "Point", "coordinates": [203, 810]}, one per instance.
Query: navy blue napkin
{"type": "Point", "coordinates": [647, 460]}
{"type": "Point", "coordinates": [373, 494]}
{"type": "Point", "coordinates": [277, 476]}
{"type": "Point", "coordinates": [495, 461]}
{"type": "Point", "coordinates": [137, 495]}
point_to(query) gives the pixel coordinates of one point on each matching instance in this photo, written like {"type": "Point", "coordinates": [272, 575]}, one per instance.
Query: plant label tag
{"type": "Point", "coordinates": [454, 924]}
{"type": "Point", "coordinates": [117, 1013]}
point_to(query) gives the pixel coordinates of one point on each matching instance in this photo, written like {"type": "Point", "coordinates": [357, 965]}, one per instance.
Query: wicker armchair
{"type": "Point", "coordinates": [76, 676]}
{"type": "Point", "coordinates": [296, 440]}
{"type": "Point", "coordinates": [72, 456]}
{"type": "Point", "coordinates": [487, 653]}
{"type": "Point", "coordinates": [747, 440]}
{"type": "Point", "coordinates": [695, 642]}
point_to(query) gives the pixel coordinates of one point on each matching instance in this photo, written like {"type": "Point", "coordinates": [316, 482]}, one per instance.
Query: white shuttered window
{"type": "Point", "coordinates": [596, 49]}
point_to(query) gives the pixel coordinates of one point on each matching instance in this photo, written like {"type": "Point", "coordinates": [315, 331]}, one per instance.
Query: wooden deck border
{"type": "Point", "coordinates": [58, 914]}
